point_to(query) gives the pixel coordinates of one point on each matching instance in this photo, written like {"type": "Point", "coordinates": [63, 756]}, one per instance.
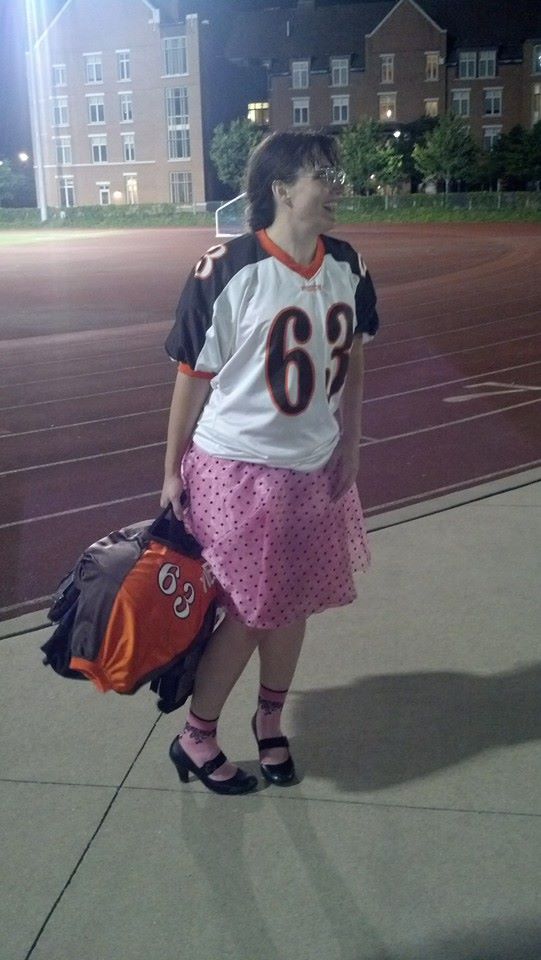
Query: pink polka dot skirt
{"type": "Point", "coordinates": [278, 546]}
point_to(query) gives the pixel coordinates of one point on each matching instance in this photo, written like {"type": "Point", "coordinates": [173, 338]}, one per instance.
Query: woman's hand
{"type": "Point", "coordinates": [343, 468]}
{"type": "Point", "coordinates": [172, 491]}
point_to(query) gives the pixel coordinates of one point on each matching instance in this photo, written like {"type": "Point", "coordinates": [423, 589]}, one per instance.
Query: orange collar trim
{"type": "Point", "coordinates": [306, 270]}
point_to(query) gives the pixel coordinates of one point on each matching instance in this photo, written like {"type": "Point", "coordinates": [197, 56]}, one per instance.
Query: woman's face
{"type": "Point", "coordinates": [314, 196]}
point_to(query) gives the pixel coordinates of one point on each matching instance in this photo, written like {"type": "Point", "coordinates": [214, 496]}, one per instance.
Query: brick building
{"type": "Point", "coordinates": [125, 94]}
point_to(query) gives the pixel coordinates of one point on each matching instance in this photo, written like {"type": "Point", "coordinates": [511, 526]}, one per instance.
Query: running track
{"type": "Point", "coordinates": [452, 389]}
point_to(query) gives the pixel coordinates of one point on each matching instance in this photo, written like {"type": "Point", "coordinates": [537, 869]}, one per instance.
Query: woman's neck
{"type": "Point", "coordinates": [301, 248]}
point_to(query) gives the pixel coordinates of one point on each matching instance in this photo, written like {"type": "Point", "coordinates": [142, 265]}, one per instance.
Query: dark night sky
{"type": "Point", "coordinates": [14, 122]}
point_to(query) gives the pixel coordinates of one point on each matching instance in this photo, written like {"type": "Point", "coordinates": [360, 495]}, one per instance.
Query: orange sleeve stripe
{"type": "Point", "coordinates": [198, 374]}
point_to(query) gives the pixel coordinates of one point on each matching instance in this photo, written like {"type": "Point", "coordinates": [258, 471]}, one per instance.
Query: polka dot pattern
{"type": "Point", "coordinates": [279, 548]}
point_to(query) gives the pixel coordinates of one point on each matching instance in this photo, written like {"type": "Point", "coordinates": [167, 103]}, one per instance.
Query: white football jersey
{"type": "Point", "coordinates": [274, 339]}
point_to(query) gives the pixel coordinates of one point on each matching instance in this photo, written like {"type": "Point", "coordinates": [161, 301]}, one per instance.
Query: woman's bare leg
{"type": "Point", "coordinates": [279, 652]}
{"type": "Point", "coordinates": [221, 665]}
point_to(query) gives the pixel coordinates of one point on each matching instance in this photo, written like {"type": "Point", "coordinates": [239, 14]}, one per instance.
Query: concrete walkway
{"type": "Point", "coordinates": [415, 830]}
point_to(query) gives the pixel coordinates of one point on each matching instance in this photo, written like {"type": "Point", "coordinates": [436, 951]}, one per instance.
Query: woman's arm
{"type": "Point", "coordinates": [346, 456]}
{"type": "Point", "coordinates": [189, 397]}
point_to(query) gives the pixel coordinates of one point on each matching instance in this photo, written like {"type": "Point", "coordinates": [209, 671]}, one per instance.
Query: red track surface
{"type": "Point", "coordinates": [452, 389]}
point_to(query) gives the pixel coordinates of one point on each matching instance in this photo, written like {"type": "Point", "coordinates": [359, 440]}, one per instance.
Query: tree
{"type": "Point", "coordinates": [368, 157]}
{"type": "Point", "coordinates": [230, 148]}
{"type": "Point", "coordinates": [448, 152]}
{"type": "Point", "coordinates": [11, 184]}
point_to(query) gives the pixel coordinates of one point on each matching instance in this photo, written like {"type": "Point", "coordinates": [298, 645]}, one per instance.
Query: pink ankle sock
{"type": "Point", "coordinates": [198, 740]}
{"type": "Point", "coordinates": [268, 716]}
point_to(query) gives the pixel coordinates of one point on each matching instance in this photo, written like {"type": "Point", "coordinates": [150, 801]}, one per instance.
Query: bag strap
{"type": "Point", "coordinates": [167, 529]}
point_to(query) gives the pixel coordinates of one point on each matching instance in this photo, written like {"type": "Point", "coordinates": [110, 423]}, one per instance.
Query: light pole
{"type": "Point", "coordinates": [35, 106]}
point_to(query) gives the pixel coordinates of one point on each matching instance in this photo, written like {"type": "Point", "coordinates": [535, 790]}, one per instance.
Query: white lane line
{"type": "Point", "coordinates": [92, 456]}
{"type": "Point", "coordinates": [454, 423]}
{"type": "Point", "coordinates": [508, 389]}
{"type": "Point", "coordinates": [79, 376]}
{"type": "Point", "coordinates": [91, 506]}
{"type": "Point", "coordinates": [448, 383]}
{"type": "Point", "coordinates": [26, 603]}
{"type": "Point", "coordinates": [451, 353]}
{"type": "Point", "coordinates": [463, 484]}
{"type": "Point", "coordinates": [89, 396]}
{"type": "Point", "coordinates": [82, 359]}
{"type": "Point", "coordinates": [85, 423]}
{"type": "Point", "coordinates": [436, 332]}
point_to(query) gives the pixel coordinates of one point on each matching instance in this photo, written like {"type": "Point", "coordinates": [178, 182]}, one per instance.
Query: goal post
{"type": "Point", "coordinates": [230, 217]}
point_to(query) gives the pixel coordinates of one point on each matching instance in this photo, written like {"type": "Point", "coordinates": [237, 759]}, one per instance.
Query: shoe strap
{"type": "Point", "coordinates": [270, 742]}
{"type": "Point", "coordinates": [211, 765]}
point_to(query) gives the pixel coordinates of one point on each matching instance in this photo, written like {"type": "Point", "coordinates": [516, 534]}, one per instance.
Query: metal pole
{"type": "Point", "coordinates": [35, 111]}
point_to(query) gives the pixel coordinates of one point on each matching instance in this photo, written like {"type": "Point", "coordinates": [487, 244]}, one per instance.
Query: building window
{"type": "Point", "coordinates": [63, 151]}
{"type": "Point", "coordinates": [301, 112]}
{"type": "Point", "coordinates": [93, 68]}
{"type": "Point", "coordinates": [339, 72]}
{"type": "Point", "coordinates": [180, 186]}
{"type": "Point", "coordinates": [123, 68]}
{"type": "Point", "coordinates": [340, 109]}
{"type": "Point", "coordinates": [98, 149]}
{"type": "Point", "coordinates": [132, 192]}
{"type": "Point", "coordinates": [432, 107]}
{"type": "Point", "coordinates": [126, 108]}
{"type": "Point", "coordinates": [537, 59]}
{"type": "Point", "coordinates": [128, 146]}
{"type": "Point", "coordinates": [387, 107]}
{"type": "Point", "coordinates": [60, 112]}
{"type": "Point", "coordinates": [178, 123]}
{"type": "Point", "coordinates": [387, 67]}
{"type": "Point", "coordinates": [59, 76]}
{"type": "Point", "coordinates": [492, 102]}
{"type": "Point", "coordinates": [66, 191]}
{"type": "Point", "coordinates": [490, 135]}
{"type": "Point", "coordinates": [96, 109]}
{"type": "Point", "coordinates": [300, 72]}
{"type": "Point", "coordinates": [174, 52]}
{"type": "Point", "coordinates": [432, 66]}
{"type": "Point", "coordinates": [460, 102]}
{"type": "Point", "coordinates": [258, 113]}
{"type": "Point", "coordinates": [467, 65]}
{"type": "Point", "coordinates": [487, 63]}
{"type": "Point", "coordinates": [536, 103]}
{"type": "Point", "coordinates": [104, 194]}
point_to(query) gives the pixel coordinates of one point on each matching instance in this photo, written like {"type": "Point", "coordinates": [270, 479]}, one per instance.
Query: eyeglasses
{"type": "Point", "coordinates": [330, 175]}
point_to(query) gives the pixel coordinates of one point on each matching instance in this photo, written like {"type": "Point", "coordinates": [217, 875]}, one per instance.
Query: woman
{"type": "Point", "coordinates": [263, 439]}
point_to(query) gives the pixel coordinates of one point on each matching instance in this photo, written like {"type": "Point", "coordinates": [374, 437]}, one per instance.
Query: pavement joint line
{"type": "Point", "coordinates": [90, 842]}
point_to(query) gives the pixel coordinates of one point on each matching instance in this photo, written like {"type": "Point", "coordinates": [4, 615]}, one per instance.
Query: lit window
{"type": "Point", "coordinates": [132, 192]}
{"type": "Point", "coordinates": [258, 113]}
{"type": "Point", "coordinates": [301, 113]}
{"type": "Point", "coordinates": [174, 50]}
{"type": "Point", "coordinates": [493, 102]}
{"type": "Point", "coordinates": [93, 68]}
{"type": "Point", "coordinates": [96, 110]}
{"type": "Point", "coordinates": [60, 112]}
{"type": "Point", "coordinates": [460, 102]}
{"type": "Point", "coordinates": [59, 76]}
{"type": "Point", "coordinates": [126, 108]}
{"type": "Point", "coordinates": [387, 67]}
{"type": "Point", "coordinates": [340, 109]}
{"type": "Point", "coordinates": [431, 108]}
{"type": "Point", "coordinates": [490, 135]}
{"type": "Point", "coordinates": [98, 149]}
{"type": "Point", "coordinates": [537, 59]}
{"type": "Point", "coordinates": [180, 184]}
{"type": "Point", "coordinates": [300, 70]}
{"type": "Point", "coordinates": [467, 65]}
{"type": "Point", "coordinates": [128, 146]}
{"type": "Point", "coordinates": [536, 103]}
{"type": "Point", "coordinates": [339, 72]}
{"type": "Point", "coordinates": [487, 63]}
{"type": "Point", "coordinates": [66, 191]}
{"type": "Point", "coordinates": [178, 123]}
{"type": "Point", "coordinates": [387, 106]}
{"type": "Point", "coordinates": [123, 68]}
{"type": "Point", "coordinates": [63, 151]}
{"type": "Point", "coordinates": [432, 66]}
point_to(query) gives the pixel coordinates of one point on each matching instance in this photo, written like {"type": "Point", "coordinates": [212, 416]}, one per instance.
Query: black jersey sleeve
{"type": "Point", "coordinates": [367, 320]}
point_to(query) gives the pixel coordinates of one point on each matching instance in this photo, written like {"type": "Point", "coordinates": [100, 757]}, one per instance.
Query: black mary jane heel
{"type": "Point", "coordinates": [241, 783]}
{"type": "Point", "coordinates": [281, 774]}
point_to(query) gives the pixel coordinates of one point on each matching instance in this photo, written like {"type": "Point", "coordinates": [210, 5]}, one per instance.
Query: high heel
{"type": "Point", "coordinates": [280, 774]}
{"type": "Point", "coordinates": [241, 782]}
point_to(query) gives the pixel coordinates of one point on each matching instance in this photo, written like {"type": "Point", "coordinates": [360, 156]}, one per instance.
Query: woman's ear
{"type": "Point", "coordinates": [280, 192]}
